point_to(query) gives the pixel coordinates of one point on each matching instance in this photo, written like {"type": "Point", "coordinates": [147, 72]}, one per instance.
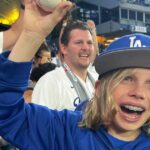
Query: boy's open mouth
{"type": "Point", "coordinates": [130, 109]}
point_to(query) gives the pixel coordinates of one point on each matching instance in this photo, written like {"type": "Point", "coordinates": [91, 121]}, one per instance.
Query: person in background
{"type": "Point", "coordinates": [36, 74]}
{"type": "Point", "coordinates": [71, 83]}
{"type": "Point", "coordinates": [118, 117]}
{"type": "Point", "coordinates": [58, 59]}
{"type": "Point", "coordinates": [42, 69]}
{"type": "Point", "coordinates": [42, 56]}
{"type": "Point", "coordinates": [41, 65]}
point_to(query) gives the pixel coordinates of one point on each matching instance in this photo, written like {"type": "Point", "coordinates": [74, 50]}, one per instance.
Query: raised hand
{"type": "Point", "coordinates": [37, 25]}
{"type": "Point", "coordinates": [37, 20]}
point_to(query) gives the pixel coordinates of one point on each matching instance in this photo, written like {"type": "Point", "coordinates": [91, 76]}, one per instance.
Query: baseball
{"type": "Point", "coordinates": [48, 5]}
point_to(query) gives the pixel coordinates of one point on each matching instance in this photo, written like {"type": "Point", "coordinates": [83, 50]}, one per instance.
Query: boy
{"type": "Point", "coordinates": [117, 117]}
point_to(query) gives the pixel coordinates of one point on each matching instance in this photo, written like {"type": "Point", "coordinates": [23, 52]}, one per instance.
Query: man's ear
{"type": "Point", "coordinates": [97, 87]}
{"type": "Point", "coordinates": [62, 48]}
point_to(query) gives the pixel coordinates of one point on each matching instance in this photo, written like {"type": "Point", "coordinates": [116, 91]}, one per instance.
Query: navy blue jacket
{"type": "Point", "coordinates": [34, 127]}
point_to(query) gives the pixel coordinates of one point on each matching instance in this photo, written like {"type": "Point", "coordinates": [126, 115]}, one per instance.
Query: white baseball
{"type": "Point", "coordinates": [48, 5]}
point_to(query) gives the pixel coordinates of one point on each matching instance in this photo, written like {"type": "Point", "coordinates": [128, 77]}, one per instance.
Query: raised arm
{"type": "Point", "coordinates": [19, 122]}
{"type": "Point", "coordinates": [37, 25]}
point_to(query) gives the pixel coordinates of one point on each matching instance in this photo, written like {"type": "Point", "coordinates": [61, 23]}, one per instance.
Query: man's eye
{"type": "Point", "coordinates": [79, 42]}
{"type": "Point", "coordinates": [90, 43]}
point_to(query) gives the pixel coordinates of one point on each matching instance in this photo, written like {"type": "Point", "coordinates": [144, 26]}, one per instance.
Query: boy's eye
{"type": "Point", "coordinates": [128, 78]}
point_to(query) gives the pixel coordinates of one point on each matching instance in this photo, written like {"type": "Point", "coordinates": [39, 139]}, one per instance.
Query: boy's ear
{"type": "Point", "coordinates": [97, 87]}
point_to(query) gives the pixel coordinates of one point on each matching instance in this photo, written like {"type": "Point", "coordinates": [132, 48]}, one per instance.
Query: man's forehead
{"type": "Point", "coordinates": [80, 33]}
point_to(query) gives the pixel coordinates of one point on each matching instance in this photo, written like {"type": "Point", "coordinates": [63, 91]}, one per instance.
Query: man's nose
{"type": "Point", "coordinates": [85, 46]}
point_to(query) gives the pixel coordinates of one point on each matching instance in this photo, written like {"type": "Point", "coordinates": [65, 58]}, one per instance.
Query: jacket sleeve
{"type": "Point", "coordinates": [20, 123]}
{"type": "Point", "coordinates": [13, 81]}
{"type": "Point", "coordinates": [29, 126]}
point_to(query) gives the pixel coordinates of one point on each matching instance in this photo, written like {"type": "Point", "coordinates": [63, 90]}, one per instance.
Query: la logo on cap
{"type": "Point", "coordinates": [134, 42]}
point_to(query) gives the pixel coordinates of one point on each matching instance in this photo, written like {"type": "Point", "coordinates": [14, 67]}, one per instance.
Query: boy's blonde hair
{"type": "Point", "coordinates": [102, 108]}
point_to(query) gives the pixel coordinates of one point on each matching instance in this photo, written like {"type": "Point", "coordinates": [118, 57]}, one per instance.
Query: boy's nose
{"type": "Point", "coordinates": [137, 92]}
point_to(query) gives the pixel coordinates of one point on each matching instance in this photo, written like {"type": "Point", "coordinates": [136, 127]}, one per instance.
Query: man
{"type": "Point", "coordinates": [118, 117]}
{"type": "Point", "coordinates": [71, 83]}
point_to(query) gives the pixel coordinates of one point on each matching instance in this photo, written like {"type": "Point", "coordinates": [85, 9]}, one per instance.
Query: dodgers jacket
{"type": "Point", "coordinates": [35, 127]}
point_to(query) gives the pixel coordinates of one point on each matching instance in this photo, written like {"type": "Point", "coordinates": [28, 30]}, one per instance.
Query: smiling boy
{"type": "Point", "coordinates": [118, 117]}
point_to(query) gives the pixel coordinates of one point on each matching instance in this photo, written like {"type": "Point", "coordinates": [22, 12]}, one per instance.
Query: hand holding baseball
{"type": "Point", "coordinates": [48, 5]}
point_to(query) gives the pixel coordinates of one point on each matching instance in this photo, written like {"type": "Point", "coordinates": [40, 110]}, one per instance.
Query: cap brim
{"type": "Point", "coordinates": [125, 58]}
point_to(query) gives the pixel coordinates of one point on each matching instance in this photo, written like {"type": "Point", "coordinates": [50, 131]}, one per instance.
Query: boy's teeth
{"type": "Point", "coordinates": [134, 108]}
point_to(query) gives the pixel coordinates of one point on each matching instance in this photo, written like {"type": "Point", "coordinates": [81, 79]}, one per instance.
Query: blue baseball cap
{"type": "Point", "coordinates": [130, 51]}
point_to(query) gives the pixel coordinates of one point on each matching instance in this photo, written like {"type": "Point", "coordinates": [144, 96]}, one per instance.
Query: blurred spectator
{"type": "Point", "coordinates": [36, 74]}
{"type": "Point", "coordinates": [39, 71]}
{"type": "Point", "coordinates": [42, 56]}
{"type": "Point", "coordinates": [71, 83]}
